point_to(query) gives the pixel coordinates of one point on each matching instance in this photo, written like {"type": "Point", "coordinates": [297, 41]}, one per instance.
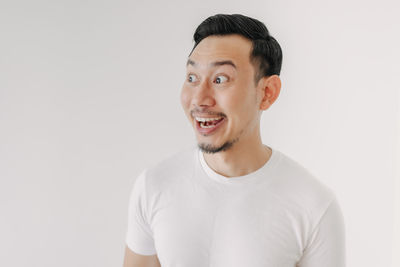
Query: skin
{"type": "Point", "coordinates": [132, 259]}
{"type": "Point", "coordinates": [220, 89]}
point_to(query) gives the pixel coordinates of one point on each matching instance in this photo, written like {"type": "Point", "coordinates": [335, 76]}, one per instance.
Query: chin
{"type": "Point", "coordinates": [212, 149]}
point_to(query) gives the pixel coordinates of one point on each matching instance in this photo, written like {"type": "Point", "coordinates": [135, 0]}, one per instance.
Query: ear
{"type": "Point", "coordinates": [271, 87]}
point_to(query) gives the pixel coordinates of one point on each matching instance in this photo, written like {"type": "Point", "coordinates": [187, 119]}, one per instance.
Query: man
{"type": "Point", "coordinates": [232, 201]}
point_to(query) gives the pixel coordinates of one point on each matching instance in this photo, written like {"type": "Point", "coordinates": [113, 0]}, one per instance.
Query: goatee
{"type": "Point", "coordinates": [210, 149]}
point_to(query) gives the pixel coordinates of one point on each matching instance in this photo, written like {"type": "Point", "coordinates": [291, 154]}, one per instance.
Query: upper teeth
{"type": "Point", "coordinates": [207, 119]}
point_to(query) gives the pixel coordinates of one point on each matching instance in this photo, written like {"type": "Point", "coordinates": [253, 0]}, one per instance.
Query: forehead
{"type": "Point", "coordinates": [235, 48]}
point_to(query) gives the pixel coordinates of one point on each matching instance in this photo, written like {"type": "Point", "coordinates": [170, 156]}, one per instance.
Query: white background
{"type": "Point", "coordinates": [89, 96]}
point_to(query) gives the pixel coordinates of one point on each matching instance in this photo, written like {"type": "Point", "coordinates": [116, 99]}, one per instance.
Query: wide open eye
{"type": "Point", "coordinates": [192, 78]}
{"type": "Point", "coordinates": [221, 79]}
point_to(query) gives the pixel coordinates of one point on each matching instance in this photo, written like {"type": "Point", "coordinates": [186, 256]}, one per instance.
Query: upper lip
{"type": "Point", "coordinates": [206, 115]}
{"type": "Point", "coordinates": [207, 118]}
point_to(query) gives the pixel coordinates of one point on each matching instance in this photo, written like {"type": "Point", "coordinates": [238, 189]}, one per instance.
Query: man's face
{"type": "Point", "coordinates": [220, 87]}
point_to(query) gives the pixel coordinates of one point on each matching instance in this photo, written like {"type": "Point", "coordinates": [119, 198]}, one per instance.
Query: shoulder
{"type": "Point", "coordinates": [299, 187]}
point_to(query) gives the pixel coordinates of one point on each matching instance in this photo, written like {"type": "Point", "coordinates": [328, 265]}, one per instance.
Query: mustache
{"type": "Point", "coordinates": [197, 111]}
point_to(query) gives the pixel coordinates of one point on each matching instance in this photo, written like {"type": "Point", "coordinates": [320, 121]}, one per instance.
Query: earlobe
{"type": "Point", "coordinates": [271, 87]}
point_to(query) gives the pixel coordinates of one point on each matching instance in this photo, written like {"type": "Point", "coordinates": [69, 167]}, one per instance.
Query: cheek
{"type": "Point", "coordinates": [235, 101]}
{"type": "Point", "coordinates": [240, 104]}
{"type": "Point", "coordinates": [185, 98]}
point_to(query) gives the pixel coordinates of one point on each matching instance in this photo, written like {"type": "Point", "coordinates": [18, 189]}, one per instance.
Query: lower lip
{"type": "Point", "coordinates": [208, 131]}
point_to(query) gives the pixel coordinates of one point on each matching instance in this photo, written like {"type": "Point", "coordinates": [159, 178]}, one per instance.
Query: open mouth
{"type": "Point", "coordinates": [208, 125]}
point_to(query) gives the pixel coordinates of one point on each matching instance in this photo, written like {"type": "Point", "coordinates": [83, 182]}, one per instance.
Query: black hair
{"type": "Point", "coordinates": [267, 53]}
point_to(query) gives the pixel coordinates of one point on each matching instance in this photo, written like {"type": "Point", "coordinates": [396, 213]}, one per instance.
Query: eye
{"type": "Point", "coordinates": [221, 79]}
{"type": "Point", "coordinates": [192, 78]}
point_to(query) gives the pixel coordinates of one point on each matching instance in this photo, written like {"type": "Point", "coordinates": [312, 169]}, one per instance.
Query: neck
{"type": "Point", "coordinates": [241, 159]}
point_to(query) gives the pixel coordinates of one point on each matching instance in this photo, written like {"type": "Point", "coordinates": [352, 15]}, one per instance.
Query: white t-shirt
{"type": "Point", "coordinates": [278, 216]}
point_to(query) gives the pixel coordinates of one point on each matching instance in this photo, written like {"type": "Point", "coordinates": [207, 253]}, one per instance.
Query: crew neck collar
{"type": "Point", "coordinates": [253, 177]}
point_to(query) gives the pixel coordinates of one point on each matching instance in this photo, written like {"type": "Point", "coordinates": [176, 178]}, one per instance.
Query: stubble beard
{"type": "Point", "coordinates": [210, 149]}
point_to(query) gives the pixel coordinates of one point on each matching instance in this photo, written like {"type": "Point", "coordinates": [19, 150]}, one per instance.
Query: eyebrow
{"type": "Point", "coordinates": [213, 64]}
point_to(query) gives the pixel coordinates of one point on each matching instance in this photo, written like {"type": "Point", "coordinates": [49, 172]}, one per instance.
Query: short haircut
{"type": "Point", "coordinates": [266, 56]}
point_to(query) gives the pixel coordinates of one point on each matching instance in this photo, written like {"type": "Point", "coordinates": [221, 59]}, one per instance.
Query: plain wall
{"type": "Point", "coordinates": [89, 96]}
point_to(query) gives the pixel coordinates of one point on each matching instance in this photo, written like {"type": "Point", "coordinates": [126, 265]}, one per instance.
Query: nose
{"type": "Point", "coordinates": [204, 95]}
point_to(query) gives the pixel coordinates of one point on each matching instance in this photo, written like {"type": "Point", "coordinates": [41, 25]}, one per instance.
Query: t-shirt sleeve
{"type": "Point", "coordinates": [139, 236]}
{"type": "Point", "coordinates": [326, 245]}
